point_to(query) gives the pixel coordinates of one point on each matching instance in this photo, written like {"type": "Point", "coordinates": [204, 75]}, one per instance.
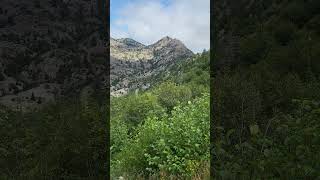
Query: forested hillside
{"type": "Point", "coordinates": [266, 98]}
{"type": "Point", "coordinates": [53, 81]}
{"type": "Point", "coordinates": [160, 132]}
{"type": "Point", "coordinates": [48, 50]}
{"type": "Point", "coordinates": [62, 141]}
{"type": "Point", "coordinates": [164, 131]}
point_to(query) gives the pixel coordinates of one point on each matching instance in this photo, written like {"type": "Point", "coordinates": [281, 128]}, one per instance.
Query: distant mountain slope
{"type": "Point", "coordinates": [131, 61]}
{"type": "Point", "coordinates": [48, 49]}
{"type": "Point", "coordinates": [54, 49]}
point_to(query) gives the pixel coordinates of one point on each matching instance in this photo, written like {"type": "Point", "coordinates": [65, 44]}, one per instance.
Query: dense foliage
{"type": "Point", "coordinates": [164, 131]}
{"type": "Point", "coordinates": [62, 141]}
{"type": "Point", "coordinates": [68, 139]}
{"type": "Point", "coordinates": [266, 107]}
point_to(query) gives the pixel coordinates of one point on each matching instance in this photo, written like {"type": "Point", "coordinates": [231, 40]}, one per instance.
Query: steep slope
{"type": "Point", "coordinates": [132, 61]}
{"type": "Point", "coordinates": [54, 49]}
{"type": "Point", "coordinates": [269, 94]}
{"type": "Point", "coordinates": [139, 121]}
{"type": "Point", "coordinates": [48, 49]}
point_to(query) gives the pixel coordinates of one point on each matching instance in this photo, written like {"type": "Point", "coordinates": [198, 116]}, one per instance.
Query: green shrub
{"type": "Point", "coordinates": [170, 95]}
{"type": "Point", "coordinates": [176, 145]}
{"type": "Point", "coordinates": [134, 109]}
{"type": "Point", "coordinates": [284, 32]}
{"type": "Point", "coordinates": [287, 148]}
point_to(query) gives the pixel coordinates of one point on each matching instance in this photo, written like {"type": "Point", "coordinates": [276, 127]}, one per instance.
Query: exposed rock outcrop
{"type": "Point", "coordinates": [132, 62]}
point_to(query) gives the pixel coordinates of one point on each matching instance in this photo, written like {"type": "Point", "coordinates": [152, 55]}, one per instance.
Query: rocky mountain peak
{"type": "Point", "coordinates": [168, 44]}
{"type": "Point", "coordinates": [129, 50]}
{"type": "Point", "coordinates": [166, 41]}
{"type": "Point", "coordinates": [132, 62]}
{"type": "Point", "coordinates": [125, 43]}
{"type": "Point", "coordinates": [131, 43]}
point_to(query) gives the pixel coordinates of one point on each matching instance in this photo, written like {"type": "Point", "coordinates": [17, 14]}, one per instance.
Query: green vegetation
{"type": "Point", "coordinates": [164, 131]}
{"type": "Point", "coordinates": [161, 132]}
{"type": "Point", "coordinates": [62, 141]}
{"type": "Point", "coordinates": [266, 108]}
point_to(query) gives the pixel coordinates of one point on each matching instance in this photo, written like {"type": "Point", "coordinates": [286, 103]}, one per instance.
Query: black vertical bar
{"type": "Point", "coordinates": [107, 34]}
{"type": "Point", "coordinates": [212, 54]}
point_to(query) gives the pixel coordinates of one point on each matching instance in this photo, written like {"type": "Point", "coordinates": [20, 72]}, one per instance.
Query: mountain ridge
{"type": "Point", "coordinates": [129, 65]}
{"type": "Point", "coordinates": [129, 47]}
{"type": "Point", "coordinates": [46, 54]}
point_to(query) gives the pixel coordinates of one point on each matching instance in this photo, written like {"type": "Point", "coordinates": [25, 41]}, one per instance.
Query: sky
{"type": "Point", "coordinates": [147, 21]}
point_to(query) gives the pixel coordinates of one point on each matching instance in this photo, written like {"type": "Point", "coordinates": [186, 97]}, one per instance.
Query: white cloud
{"type": "Point", "coordinates": [149, 20]}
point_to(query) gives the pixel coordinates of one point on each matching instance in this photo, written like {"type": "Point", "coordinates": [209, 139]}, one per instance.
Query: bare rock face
{"type": "Point", "coordinates": [48, 49]}
{"type": "Point", "coordinates": [168, 50]}
{"type": "Point", "coordinates": [52, 49]}
{"type": "Point", "coordinates": [133, 62]}
{"type": "Point", "coordinates": [128, 49]}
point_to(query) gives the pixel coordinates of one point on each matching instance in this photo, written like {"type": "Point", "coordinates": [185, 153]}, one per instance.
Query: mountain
{"type": "Point", "coordinates": [132, 63]}
{"type": "Point", "coordinates": [49, 49]}
{"type": "Point", "coordinates": [52, 50]}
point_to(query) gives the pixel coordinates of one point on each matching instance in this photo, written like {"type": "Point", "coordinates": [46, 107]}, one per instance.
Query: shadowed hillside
{"type": "Point", "coordinates": [266, 90]}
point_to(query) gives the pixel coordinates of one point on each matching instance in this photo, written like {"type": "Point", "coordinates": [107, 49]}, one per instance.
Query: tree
{"type": "Point", "coordinates": [32, 97]}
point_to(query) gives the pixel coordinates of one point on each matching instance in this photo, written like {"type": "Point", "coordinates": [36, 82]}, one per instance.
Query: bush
{"type": "Point", "coordinates": [170, 95]}
{"type": "Point", "coordinates": [284, 32]}
{"type": "Point", "coordinates": [254, 48]}
{"type": "Point", "coordinates": [176, 145]}
{"type": "Point", "coordinates": [296, 12]}
{"type": "Point", "coordinates": [138, 107]}
{"type": "Point", "coordinates": [287, 149]}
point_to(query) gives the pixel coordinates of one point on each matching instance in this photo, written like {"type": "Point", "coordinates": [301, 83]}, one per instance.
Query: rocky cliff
{"type": "Point", "coordinates": [132, 62]}
{"type": "Point", "coordinates": [53, 49]}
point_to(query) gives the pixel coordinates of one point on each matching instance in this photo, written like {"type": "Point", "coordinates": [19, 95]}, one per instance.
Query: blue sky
{"type": "Point", "coordinates": [117, 5]}
{"type": "Point", "coordinates": [149, 20]}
